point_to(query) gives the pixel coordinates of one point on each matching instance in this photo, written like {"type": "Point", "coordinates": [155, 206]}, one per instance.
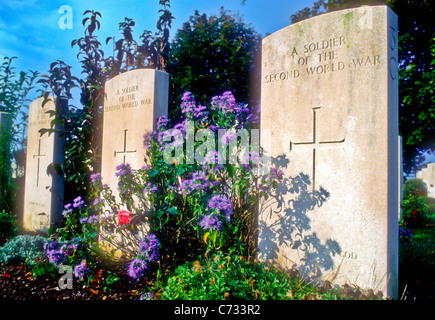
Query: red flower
{"type": "Point", "coordinates": [124, 217]}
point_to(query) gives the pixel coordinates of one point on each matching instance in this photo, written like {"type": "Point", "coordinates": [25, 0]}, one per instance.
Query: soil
{"type": "Point", "coordinates": [17, 283]}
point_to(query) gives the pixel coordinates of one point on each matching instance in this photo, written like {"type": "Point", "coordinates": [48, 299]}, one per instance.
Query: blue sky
{"type": "Point", "coordinates": [29, 29]}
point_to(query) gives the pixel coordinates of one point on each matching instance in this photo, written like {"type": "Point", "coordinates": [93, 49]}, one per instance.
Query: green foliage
{"type": "Point", "coordinates": [412, 186]}
{"type": "Point", "coordinates": [416, 265]}
{"type": "Point", "coordinates": [231, 276]}
{"type": "Point", "coordinates": [23, 248]}
{"type": "Point", "coordinates": [414, 207]}
{"type": "Point", "coordinates": [43, 269]}
{"type": "Point", "coordinates": [7, 226]}
{"type": "Point", "coordinates": [210, 55]}
{"type": "Point", "coordinates": [13, 91]}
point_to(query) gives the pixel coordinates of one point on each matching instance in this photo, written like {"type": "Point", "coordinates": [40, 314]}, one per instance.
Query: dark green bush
{"type": "Point", "coordinates": [8, 227]}
{"type": "Point", "coordinates": [415, 185]}
{"type": "Point", "coordinates": [231, 277]}
{"type": "Point", "coordinates": [414, 204]}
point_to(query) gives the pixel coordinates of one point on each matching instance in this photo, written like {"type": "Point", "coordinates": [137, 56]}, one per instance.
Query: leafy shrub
{"type": "Point", "coordinates": [7, 226]}
{"type": "Point", "coordinates": [414, 206]}
{"type": "Point", "coordinates": [201, 204]}
{"type": "Point", "coordinates": [405, 236]}
{"type": "Point", "coordinates": [415, 185]}
{"type": "Point", "coordinates": [229, 277]}
{"type": "Point", "coordinates": [23, 247]}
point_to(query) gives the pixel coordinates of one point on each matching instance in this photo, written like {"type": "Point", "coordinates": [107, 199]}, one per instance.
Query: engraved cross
{"type": "Point", "coordinates": [315, 144]}
{"type": "Point", "coordinates": [38, 156]}
{"type": "Point", "coordinates": [125, 151]}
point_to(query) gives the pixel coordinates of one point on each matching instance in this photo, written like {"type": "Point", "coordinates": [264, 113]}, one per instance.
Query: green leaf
{"type": "Point", "coordinates": [231, 170]}
{"type": "Point", "coordinates": [173, 210]}
{"type": "Point", "coordinates": [154, 173]}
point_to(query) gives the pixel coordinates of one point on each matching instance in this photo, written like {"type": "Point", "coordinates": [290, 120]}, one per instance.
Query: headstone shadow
{"type": "Point", "coordinates": [286, 223]}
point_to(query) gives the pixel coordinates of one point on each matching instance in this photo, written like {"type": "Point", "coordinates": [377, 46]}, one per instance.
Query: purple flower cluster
{"type": "Point", "coordinates": [147, 296]}
{"type": "Point", "coordinates": [78, 203]}
{"type": "Point", "coordinates": [58, 252]}
{"type": "Point", "coordinates": [151, 188]}
{"type": "Point", "coordinates": [91, 219]}
{"type": "Point", "coordinates": [123, 169]}
{"type": "Point", "coordinates": [405, 236]}
{"type": "Point", "coordinates": [198, 182]}
{"type": "Point", "coordinates": [162, 123]}
{"type": "Point", "coordinates": [221, 210]}
{"type": "Point", "coordinates": [191, 110]}
{"type": "Point", "coordinates": [137, 268]}
{"type": "Point", "coordinates": [80, 270]}
{"type": "Point", "coordinates": [95, 178]}
{"type": "Point", "coordinates": [240, 114]}
{"type": "Point", "coordinates": [210, 222]}
{"type": "Point", "coordinates": [275, 176]}
{"type": "Point", "coordinates": [148, 139]}
{"type": "Point", "coordinates": [149, 248]}
{"type": "Point", "coordinates": [148, 252]}
{"type": "Point", "coordinates": [222, 205]}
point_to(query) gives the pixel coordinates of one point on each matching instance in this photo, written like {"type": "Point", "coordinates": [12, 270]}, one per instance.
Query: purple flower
{"type": "Point", "coordinates": [137, 268]}
{"type": "Point", "coordinates": [123, 169]}
{"type": "Point", "coordinates": [162, 123]}
{"type": "Point", "coordinates": [210, 222]}
{"type": "Point", "coordinates": [148, 139]}
{"type": "Point", "coordinates": [222, 205]}
{"type": "Point", "coordinates": [78, 202]}
{"type": "Point", "coordinates": [150, 188]}
{"type": "Point", "coordinates": [93, 219]}
{"type": "Point", "coordinates": [147, 296]}
{"type": "Point", "coordinates": [191, 110]}
{"type": "Point", "coordinates": [80, 270]}
{"type": "Point", "coordinates": [57, 253]}
{"type": "Point", "coordinates": [95, 177]}
{"type": "Point", "coordinates": [149, 248]}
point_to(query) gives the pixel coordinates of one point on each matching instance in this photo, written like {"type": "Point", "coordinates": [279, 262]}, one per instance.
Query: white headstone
{"type": "Point", "coordinates": [133, 103]}
{"type": "Point", "coordinates": [428, 176]}
{"type": "Point", "coordinates": [44, 189]}
{"type": "Point", "coordinates": [330, 98]}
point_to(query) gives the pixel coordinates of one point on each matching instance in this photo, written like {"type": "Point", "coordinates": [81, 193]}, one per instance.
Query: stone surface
{"type": "Point", "coordinates": [44, 192]}
{"type": "Point", "coordinates": [134, 101]}
{"type": "Point", "coordinates": [330, 99]}
{"type": "Point", "coordinates": [428, 176]}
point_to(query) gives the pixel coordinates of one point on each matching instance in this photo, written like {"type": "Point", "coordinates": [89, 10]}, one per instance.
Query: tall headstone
{"type": "Point", "coordinates": [133, 103]}
{"type": "Point", "coordinates": [428, 176]}
{"type": "Point", "coordinates": [330, 99]}
{"type": "Point", "coordinates": [44, 188]}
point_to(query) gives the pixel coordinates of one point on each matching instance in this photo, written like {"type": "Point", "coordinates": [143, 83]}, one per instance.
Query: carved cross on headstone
{"type": "Point", "coordinates": [38, 156]}
{"type": "Point", "coordinates": [125, 151]}
{"type": "Point", "coordinates": [315, 144]}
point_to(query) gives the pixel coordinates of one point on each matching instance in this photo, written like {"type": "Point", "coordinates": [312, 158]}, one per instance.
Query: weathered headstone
{"type": "Point", "coordinates": [330, 97]}
{"type": "Point", "coordinates": [428, 176]}
{"type": "Point", "coordinates": [44, 188]}
{"type": "Point", "coordinates": [133, 103]}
